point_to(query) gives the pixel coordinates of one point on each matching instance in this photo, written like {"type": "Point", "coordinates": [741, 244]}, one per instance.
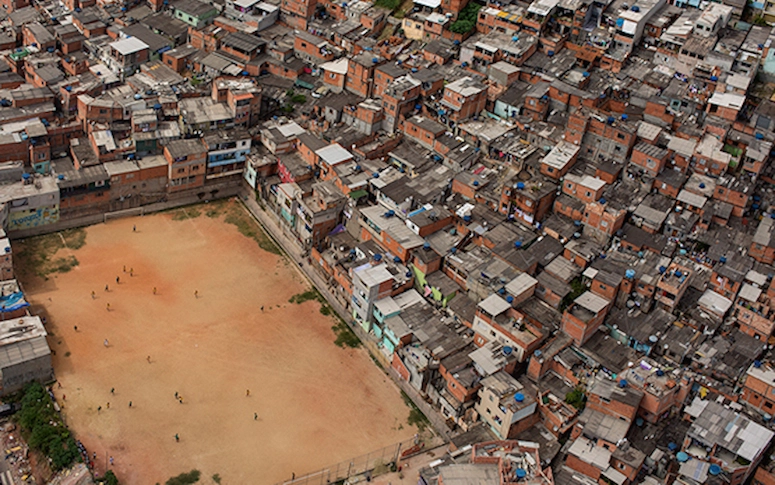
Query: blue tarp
{"type": "Point", "coordinates": [13, 302]}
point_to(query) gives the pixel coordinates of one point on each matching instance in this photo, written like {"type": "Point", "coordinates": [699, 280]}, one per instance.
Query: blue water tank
{"type": "Point", "coordinates": [377, 257]}
{"type": "Point", "coordinates": [635, 8]}
{"type": "Point", "coordinates": [619, 22]}
{"type": "Point", "coordinates": [25, 176]}
{"type": "Point", "coordinates": [396, 259]}
{"type": "Point", "coordinates": [629, 274]}
{"type": "Point", "coordinates": [623, 383]}
{"type": "Point", "coordinates": [678, 273]}
{"type": "Point", "coordinates": [662, 270]}
{"type": "Point", "coordinates": [624, 117]}
{"type": "Point", "coordinates": [453, 250]}
{"type": "Point", "coordinates": [714, 469]}
{"type": "Point", "coordinates": [157, 106]}
{"type": "Point", "coordinates": [375, 175]}
{"type": "Point", "coordinates": [759, 136]}
{"type": "Point", "coordinates": [702, 186]}
{"type": "Point", "coordinates": [757, 363]}
{"type": "Point", "coordinates": [672, 446]}
{"type": "Point", "coordinates": [517, 244]}
{"type": "Point", "coordinates": [426, 245]}
{"type": "Point", "coordinates": [507, 350]}
{"type": "Point", "coordinates": [476, 183]}
{"type": "Point", "coordinates": [602, 200]}
{"type": "Point", "coordinates": [374, 60]}
{"type": "Point", "coordinates": [502, 291]}
{"type": "Point", "coordinates": [467, 218]}
{"type": "Point", "coordinates": [520, 185]}
{"type": "Point", "coordinates": [682, 457]}
{"type": "Point", "coordinates": [519, 397]}
{"type": "Point", "coordinates": [510, 299]}
{"type": "Point", "coordinates": [521, 473]}
{"type": "Point", "coordinates": [586, 74]}
{"type": "Point", "coordinates": [660, 373]}
{"type": "Point", "coordinates": [68, 88]}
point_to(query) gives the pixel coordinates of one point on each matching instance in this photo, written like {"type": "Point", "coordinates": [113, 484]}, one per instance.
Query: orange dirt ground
{"type": "Point", "coordinates": [317, 404]}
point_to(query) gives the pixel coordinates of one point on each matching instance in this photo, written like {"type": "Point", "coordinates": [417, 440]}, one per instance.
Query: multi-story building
{"type": "Point", "coordinates": [186, 161]}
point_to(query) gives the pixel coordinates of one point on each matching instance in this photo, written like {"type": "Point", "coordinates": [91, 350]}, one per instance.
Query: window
{"type": "Point", "coordinates": [588, 193]}
{"type": "Point", "coordinates": [181, 170]}
{"type": "Point", "coordinates": [550, 169]}
{"type": "Point", "coordinates": [620, 136]}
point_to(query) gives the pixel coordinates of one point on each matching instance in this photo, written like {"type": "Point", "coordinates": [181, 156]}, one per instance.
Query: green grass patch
{"type": "Point", "coordinates": [416, 417]}
{"type": "Point", "coordinates": [345, 337]}
{"type": "Point", "coordinates": [311, 294]}
{"type": "Point", "coordinates": [35, 255]}
{"type": "Point", "coordinates": [44, 430]}
{"type": "Point", "coordinates": [388, 4]}
{"type": "Point", "coordinates": [187, 213]}
{"type": "Point", "coordinates": [248, 227]}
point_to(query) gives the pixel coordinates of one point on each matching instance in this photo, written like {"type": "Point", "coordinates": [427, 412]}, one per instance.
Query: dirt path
{"type": "Point", "coordinates": [316, 403]}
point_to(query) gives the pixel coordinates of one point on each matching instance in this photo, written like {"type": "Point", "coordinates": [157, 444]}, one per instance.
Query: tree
{"type": "Point", "coordinates": [576, 398]}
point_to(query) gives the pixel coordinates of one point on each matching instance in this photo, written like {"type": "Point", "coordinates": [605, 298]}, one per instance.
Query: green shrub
{"type": "Point", "coordinates": [109, 478]}
{"type": "Point", "coordinates": [576, 398]}
{"type": "Point", "coordinates": [44, 429]}
{"type": "Point", "coordinates": [184, 478]}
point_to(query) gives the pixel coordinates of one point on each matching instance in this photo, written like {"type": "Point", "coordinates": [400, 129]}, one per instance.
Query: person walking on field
{"type": "Point", "coordinates": [196, 293]}
{"type": "Point", "coordinates": [105, 342]}
{"type": "Point", "coordinates": [247, 393]}
{"type": "Point", "coordinates": [108, 405]}
{"type": "Point", "coordinates": [148, 359]}
{"type": "Point", "coordinates": [75, 327]}
{"type": "Point", "coordinates": [255, 416]}
{"type": "Point", "coordinates": [106, 288]}
{"type": "Point", "coordinates": [93, 295]}
{"type": "Point", "coordinates": [134, 228]}
{"type": "Point", "coordinates": [130, 404]}
{"type": "Point", "coordinates": [108, 306]}
{"type": "Point", "coordinates": [177, 438]}
{"type": "Point", "coordinates": [112, 390]}
{"type": "Point", "coordinates": [118, 279]}
{"type": "Point", "coordinates": [131, 271]}
{"type": "Point", "coordinates": [124, 268]}
{"type": "Point", "coordinates": [154, 290]}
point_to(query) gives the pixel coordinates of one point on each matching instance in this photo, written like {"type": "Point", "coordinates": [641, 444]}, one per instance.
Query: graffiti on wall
{"type": "Point", "coordinates": [33, 218]}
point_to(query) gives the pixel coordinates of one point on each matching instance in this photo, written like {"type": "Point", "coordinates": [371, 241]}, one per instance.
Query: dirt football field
{"type": "Point", "coordinates": [310, 404]}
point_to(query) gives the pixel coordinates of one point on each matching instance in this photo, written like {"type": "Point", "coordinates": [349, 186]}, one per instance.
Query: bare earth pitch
{"type": "Point", "coordinates": [316, 403]}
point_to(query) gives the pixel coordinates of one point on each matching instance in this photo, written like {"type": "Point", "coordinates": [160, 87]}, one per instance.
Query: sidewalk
{"type": "Point", "coordinates": [294, 249]}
